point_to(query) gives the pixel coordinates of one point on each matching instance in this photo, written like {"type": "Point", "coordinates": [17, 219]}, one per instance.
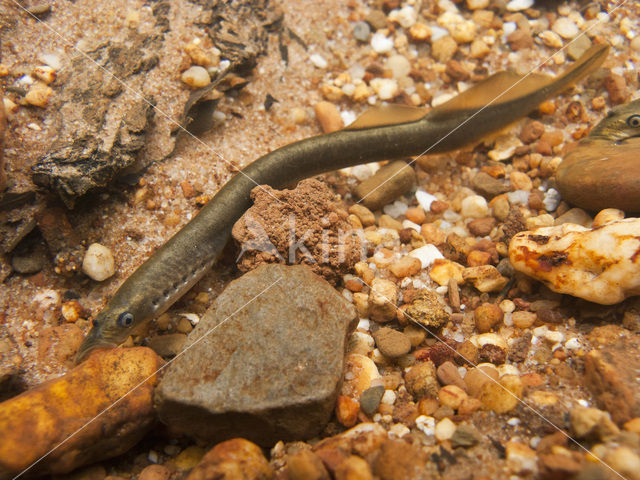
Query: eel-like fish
{"type": "Point", "coordinates": [383, 133]}
{"type": "Point", "coordinates": [603, 170]}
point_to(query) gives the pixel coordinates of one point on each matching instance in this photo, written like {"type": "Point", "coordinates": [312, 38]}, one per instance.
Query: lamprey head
{"type": "Point", "coordinates": [111, 327]}
{"type": "Point", "coordinates": [620, 124]}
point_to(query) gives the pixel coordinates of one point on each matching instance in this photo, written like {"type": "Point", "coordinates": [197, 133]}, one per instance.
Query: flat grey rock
{"type": "Point", "coordinates": [264, 363]}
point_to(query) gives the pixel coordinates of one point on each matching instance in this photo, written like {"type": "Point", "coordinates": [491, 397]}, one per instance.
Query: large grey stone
{"type": "Point", "coordinates": [265, 361]}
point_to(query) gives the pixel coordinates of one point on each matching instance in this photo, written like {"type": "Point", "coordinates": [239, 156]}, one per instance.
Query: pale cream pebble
{"type": "Point", "coordinates": [477, 4]}
{"type": "Point", "coordinates": [608, 215]}
{"type": "Point", "coordinates": [361, 301]}
{"type": "Point", "coordinates": [443, 270]}
{"type": "Point", "coordinates": [364, 272]}
{"type": "Point", "coordinates": [485, 278]}
{"type": "Point", "coordinates": [444, 430]}
{"type": "Point", "coordinates": [551, 39]}
{"type": "Point", "coordinates": [365, 215]}
{"type": "Point", "coordinates": [544, 220]}
{"type": "Point", "coordinates": [489, 338]}
{"type": "Point", "coordinates": [361, 343]}
{"type": "Point", "coordinates": [625, 462]}
{"type": "Point", "coordinates": [332, 93]}
{"type": "Point", "coordinates": [542, 398]}
{"type": "Point", "coordinates": [383, 258]}
{"type": "Point", "coordinates": [385, 88]}
{"type": "Point", "coordinates": [479, 49]}
{"type": "Point", "coordinates": [520, 181]}
{"type": "Point", "coordinates": [382, 300]}
{"type": "Point", "coordinates": [132, 19]}
{"type": "Point", "coordinates": [419, 32]}
{"type": "Point", "coordinates": [10, 107]}
{"type": "Point", "coordinates": [520, 458]}
{"type": "Point", "coordinates": [405, 16]}
{"type": "Point", "coordinates": [474, 206]}
{"type": "Point", "coordinates": [565, 27]}
{"type": "Point", "coordinates": [328, 116]}
{"type": "Point", "coordinates": [362, 92]}
{"type": "Point", "coordinates": [443, 48]}
{"type": "Point", "coordinates": [502, 396]}
{"type": "Point", "coordinates": [373, 237]}
{"type": "Point", "coordinates": [452, 396]}
{"type": "Point", "coordinates": [507, 306]}
{"type": "Point", "coordinates": [504, 147]}
{"type": "Point", "coordinates": [98, 263]}
{"type": "Point", "coordinates": [298, 115]}
{"type": "Point", "coordinates": [45, 74]}
{"type": "Point", "coordinates": [360, 372]}
{"type": "Point", "coordinates": [523, 319]}
{"type": "Point", "coordinates": [201, 57]}
{"type": "Point", "coordinates": [405, 267]}
{"type": "Point", "coordinates": [598, 265]}
{"type": "Point", "coordinates": [38, 95]}
{"type": "Point", "coordinates": [195, 77]}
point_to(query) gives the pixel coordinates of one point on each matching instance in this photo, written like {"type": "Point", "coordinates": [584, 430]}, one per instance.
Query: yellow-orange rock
{"type": "Point", "coordinates": [76, 414]}
{"type": "Point", "coordinates": [237, 458]}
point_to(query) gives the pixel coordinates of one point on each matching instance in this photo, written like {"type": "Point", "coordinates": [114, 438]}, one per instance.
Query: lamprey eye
{"type": "Point", "coordinates": [125, 319]}
{"type": "Point", "coordinates": [634, 121]}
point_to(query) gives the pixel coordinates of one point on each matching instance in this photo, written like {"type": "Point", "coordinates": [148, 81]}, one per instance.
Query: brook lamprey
{"type": "Point", "coordinates": [383, 133]}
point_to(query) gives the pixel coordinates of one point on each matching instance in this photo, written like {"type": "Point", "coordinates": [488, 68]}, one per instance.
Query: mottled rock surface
{"type": "Point", "coordinates": [38, 420]}
{"type": "Point", "coordinates": [611, 375]}
{"type": "Point", "coordinates": [272, 370]}
{"type": "Point", "coordinates": [307, 226]}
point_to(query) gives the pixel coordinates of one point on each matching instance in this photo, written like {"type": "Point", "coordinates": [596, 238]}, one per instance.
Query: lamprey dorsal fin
{"type": "Point", "coordinates": [506, 86]}
{"type": "Point", "coordinates": [387, 115]}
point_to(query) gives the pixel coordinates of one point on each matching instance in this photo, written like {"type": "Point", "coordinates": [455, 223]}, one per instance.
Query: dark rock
{"type": "Point", "coordinates": [27, 264]}
{"type": "Point", "coordinates": [273, 369]}
{"type": "Point", "coordinates": [465, 436]}
{"type": "Point", "coordinates": [370, 399]}
{"type": "Point", "coordinates": [487, 186]}
{"type": "Point", "coordinates": [386, 185]}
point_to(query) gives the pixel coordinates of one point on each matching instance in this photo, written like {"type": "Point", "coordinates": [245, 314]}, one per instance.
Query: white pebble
{"type": "Point", "coordinates": [517, 5]}
{"type": "Point", "coordinates": [425, 200]}
{"type": "Point", "coordinates": [518, 197]}
{"type": "Point", "coordinates": [380, 43]}
{"type": "Point", "coordinates": [398, 430]}
{"type": "Point", "coordinates": [364, 324]}
{"type": "Point", "coordinates": [385, 88]}
{"type": "Point", "coordinates": [98, 263]}
{"type": "Point", "coordinates": [565, 27]}
{"type": "Point", "coordinates": [508, 28]}
{"type": "Point", "coordinates": [438, 32]}
{"type": "Point", "coordinates": [51, 59]}
{"type": "Point", "coordinates": [554, 336]}
{"type": "Point", "coordinates": [444, 430]}
{"type": "Point", "coordinates": [551, 200]}
{"type": "Point", "coordinates": [361, 172]}
{"type": "Point", "coordinates": [452, 217]}
{"type": "Point", "coordinates": [474, 206]}
{"type": "Point", "coordinates": [427, 255]}
{"type": "Point", "coordinates": [406, 16]}
{"type": "Point", "coordinates": [47, 299]}
{"type": "Point", "coordinates": [196, 77]}
{"type": "Point", "coordinates": [395, 209]}
{"type": "Point", "coordinates": [399, 66]}
{"type": "Point", "coordinates": [389, 397]}
{"type": "Point", "coordinates": [318, 61]}
{"type": "Point", "coordinates": [426, 425]}
{"type": "Point", "coordinates": [572, 344]}
{"type": "Point", "coordinates": [442, 98]}
{"type": "Point", "coordinates": [410, 224]}
{"type": "Point", "coordinates": [513, 422]}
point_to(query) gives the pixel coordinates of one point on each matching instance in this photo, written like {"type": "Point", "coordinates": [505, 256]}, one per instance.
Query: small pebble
{"type": "Point", "coordinates": [381, 43]}
{"type": "Point", "coordinates": [362, 32]}
{"type": "Point", "coordinates": [487, 316]}
{"type": "Point", "coordinates": [474, 206]}
{"type": "Point", "coordinates": [98, 263]}
{"type": "Point", "coordinates": [196, 77]}
{"type": "Point", "coordinates": [444, 430]}
{"type": "Point", "coordinates": [328, 116]}
{"type": "Point", "coordinates": [370, 399]}
{"type": "Point", "coordinates": [517, 5]}
{"type": "Point", "coordinates": [318, 61]}
{"type": "Point", "coordinates": [392, 343]}
{"type": "Point", "coordinates": [443, 48]}
{"type": "Point", "coordinates": [477, 4]}
{"type": "Point", "coordinates": [38, 95]}
{"type": "Point", "coordinates": [565, 27]}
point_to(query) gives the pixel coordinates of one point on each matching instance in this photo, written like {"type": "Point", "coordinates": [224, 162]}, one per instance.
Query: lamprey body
{"type": "Point", "coordinates": [379, 134]}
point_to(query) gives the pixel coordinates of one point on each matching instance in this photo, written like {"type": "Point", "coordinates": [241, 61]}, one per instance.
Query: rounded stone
{"type": "Point", "coordinates": [392, 343]}
{"type": "Point", "coordinates": [361, 32]}
{"type": "Point", "coordinates": [98, 263]}
{"type": "Point", "coordinates": [599, 175]}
